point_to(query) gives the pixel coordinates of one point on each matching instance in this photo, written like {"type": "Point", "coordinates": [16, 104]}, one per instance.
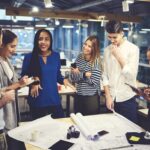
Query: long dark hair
{"type": "Point", "coordinates": [8, 37]}
{"type": "Point", "coordinates": [35, 69]}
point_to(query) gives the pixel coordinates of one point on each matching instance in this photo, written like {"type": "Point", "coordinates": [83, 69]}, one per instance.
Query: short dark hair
{"type": "Point", "coordinates": [114, 26]}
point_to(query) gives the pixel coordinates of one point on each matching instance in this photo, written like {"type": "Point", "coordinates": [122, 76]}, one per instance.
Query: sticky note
{"type": "Point", "coordinates": [134, 138]}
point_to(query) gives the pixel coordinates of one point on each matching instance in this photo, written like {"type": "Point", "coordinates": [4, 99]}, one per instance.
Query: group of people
{"type": "Point", "coordinates": [119, 66]}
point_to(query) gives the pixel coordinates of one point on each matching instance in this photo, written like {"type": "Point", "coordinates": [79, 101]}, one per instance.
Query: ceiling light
{"type": "Point", "coordinates": [57, 22]}
{"type": "Point", "coordinates": [14, 19]}
{"type": "Point", "coordinates": [126, 29]}
{"type": "Point", "coordinates": [29, 28]}
{"type": "Point", "coordinates": [68, 25]}
{"type": "Point", "coordinates": [48, 3]}
{"type": "Point", "coordinates": [35, 9]}
{"type": "Point", "coordinates": [130, 1]}
{"type": "Point", "coordinates": [143, 32]}
{"type": "Point", "coordinates": [41, 24]}
{"type": "Point", "coordinates": [125, 5]}
{"type": "Point", "coordinates": [17, 3]}
{"type": "Point", "coordinates": [50, 28]}
{"type": "Point", "coordinates": [145, 29]}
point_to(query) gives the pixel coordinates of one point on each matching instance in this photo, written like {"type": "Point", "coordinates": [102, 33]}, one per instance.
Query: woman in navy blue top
{"type": "Point", "coordinates": [44, 65]}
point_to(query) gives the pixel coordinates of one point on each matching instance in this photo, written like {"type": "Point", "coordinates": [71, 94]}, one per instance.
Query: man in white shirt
{"type": "Point", "coordinates": [121, 60]}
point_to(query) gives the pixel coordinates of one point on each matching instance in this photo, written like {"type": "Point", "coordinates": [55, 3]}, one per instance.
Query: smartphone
{"type": "Point", "coordinates": [103, 132]}
{"type": "Point", "coordinates": [73, 65]}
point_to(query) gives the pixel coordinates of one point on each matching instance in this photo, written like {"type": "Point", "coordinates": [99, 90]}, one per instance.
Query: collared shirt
{"type": "Point", "coordinates": [116, 77]}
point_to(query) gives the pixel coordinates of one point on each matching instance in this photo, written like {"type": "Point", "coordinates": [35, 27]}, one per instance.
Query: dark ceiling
{"type": "Point", "coordinates": [138, 8]}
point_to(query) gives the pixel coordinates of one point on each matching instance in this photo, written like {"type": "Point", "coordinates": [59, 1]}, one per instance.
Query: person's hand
{"type": "Point", "coordinates": [110, 103]}
{"type": "Point", "coordinates": [9, 96]}
{"type": "Point", "coordinates": [147, 92]}
{"type": "Point", "coordinates": [115, 51]}
{"type": "Point", "coordinates": [117, 54]}
{"type": "Point", "coordinates": [75, 70]}
{"type": "Point", "coordinates": [23, 81]}
{"type": "Point", "coordinates": [66, 83]}
{"type": "Point", "coordinates": [35, 90]}
{"type": "Point", "coordinates": [88, 74]}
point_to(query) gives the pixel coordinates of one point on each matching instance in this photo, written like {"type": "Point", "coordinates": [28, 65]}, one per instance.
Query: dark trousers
{"type": "Point", "coordinates": [55, 111]}
{"type": "Point", "coordinates": [128, 109]}
{"type": "Point", "coordinates": [14, 144]}
{"type": "Point", "coordinates": [87, 105]}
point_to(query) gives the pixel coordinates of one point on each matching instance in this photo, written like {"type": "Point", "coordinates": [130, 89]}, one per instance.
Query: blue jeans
{"type": "Point", "coordinates": [128, 109]}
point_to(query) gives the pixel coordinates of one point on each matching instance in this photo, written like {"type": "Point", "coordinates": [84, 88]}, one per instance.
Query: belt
{"type": "Point", "coordinates": [1, 131]}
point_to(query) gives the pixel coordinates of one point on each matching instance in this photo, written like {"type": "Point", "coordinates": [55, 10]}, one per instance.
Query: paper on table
{"type": "Point", "coordinates": [45, 131]}
{"type": "Point", "coordinates": [42, 132]}
{"type": "Point", "coordinates": [130, 123]}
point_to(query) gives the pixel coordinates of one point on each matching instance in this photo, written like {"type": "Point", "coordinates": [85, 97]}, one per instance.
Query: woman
{"type": "Point", "coordinates": [87, 74]}
{"type": "Point", "coordinates": [44, 64]}
{"type": "Point", "coordinates": [8, 77]}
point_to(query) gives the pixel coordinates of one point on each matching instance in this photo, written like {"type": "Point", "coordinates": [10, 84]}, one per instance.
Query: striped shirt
{"type": "Point", "coordinates": [87, 86]}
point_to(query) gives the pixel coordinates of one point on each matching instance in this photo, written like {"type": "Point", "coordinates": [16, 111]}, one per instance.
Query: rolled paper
{"type": "Point", "coordinates": [80, 122]}
{"type": "Point", "coordinates": [81, 126]}
{"type": "Point", "coordinates": [93, 137]}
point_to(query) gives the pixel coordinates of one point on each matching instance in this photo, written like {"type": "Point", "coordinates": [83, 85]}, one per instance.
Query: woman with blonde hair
{"type": "Point", "coordinates": [86, 74]}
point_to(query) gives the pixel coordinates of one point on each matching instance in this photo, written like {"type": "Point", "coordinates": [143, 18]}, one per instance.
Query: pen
{"type": "Point", "coordinates": [119, 147]}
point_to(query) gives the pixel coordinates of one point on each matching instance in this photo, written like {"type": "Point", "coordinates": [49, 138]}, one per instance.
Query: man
{"type": "Point", "coordinates": [121, 60]}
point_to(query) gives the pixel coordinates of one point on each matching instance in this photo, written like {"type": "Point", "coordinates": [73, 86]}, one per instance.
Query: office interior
{"type": "Point", "coordinates": [70, 22]}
